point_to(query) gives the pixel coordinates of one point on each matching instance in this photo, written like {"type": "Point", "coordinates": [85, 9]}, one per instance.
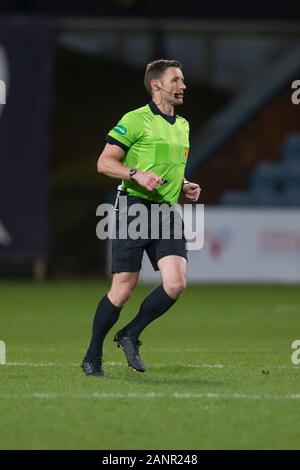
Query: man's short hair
{"type": "Point", "coordinates": [155, 69]}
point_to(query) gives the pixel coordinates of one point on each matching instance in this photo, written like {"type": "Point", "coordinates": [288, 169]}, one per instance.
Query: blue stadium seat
{"type": "Point", "coordinates": [292, 197]}
{"type": "Point", "coordinates": [272, 184]}
{"type": "Point", "coordinates": [290, 174]}
{"type": "Point", "coordinates": [290, 149]}
{"type": "Point", "coordinates": [265, 176]}
{"type": "Point", "coordinates": [267, 198]}
{"type": "Point", "coordinates": [235, 198]}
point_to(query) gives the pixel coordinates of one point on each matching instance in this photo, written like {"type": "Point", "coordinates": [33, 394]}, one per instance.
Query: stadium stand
{"type": "Point", "coordinates": [272, 184]}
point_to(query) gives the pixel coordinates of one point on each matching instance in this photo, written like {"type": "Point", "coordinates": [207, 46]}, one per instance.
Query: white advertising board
{"type": "Point", "coordinates": [244, 245]}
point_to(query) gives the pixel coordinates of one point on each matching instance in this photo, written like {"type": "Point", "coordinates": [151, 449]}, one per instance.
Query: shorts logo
{"type": "Point", "coordinates": [120, 129]}
{"type": "Point", "coordinates": [186, 151]}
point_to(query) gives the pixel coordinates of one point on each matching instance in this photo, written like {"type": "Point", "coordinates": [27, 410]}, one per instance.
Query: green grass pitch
{"type": "Point", "coordinates": [219, 371]}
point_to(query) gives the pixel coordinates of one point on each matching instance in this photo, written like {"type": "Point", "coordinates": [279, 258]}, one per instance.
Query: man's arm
{"type": "Point", "coordinates": [110, 164]}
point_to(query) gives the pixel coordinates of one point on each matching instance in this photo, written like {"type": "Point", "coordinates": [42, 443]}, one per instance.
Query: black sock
{"type": "Point", "coordinates": [106, 316]}
{"type": "Point", "coordinates": [153, 306]}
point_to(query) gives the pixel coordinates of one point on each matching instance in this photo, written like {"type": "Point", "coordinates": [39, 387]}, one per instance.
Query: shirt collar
{"type": "Point", "coordinates": [155, 110]}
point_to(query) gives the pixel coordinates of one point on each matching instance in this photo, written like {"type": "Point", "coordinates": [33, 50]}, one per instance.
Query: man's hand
{"type": "Point", "coordinates": [191, 191]}
{"type": "Point", "coordinates": [148, 179]}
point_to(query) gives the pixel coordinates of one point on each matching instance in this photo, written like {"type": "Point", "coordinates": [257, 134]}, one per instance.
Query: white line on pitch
{"type": "Point", "coordinates": [135, 395]}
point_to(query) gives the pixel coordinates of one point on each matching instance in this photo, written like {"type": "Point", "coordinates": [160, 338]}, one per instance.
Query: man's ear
{"type": "Point", "coordinates": [155, 85]}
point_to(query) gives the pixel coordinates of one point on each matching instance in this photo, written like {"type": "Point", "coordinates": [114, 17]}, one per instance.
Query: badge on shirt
{"type": "Point", "coordinates": [120, 129]}
{"type": "Point", "coordinates": [186, 151]}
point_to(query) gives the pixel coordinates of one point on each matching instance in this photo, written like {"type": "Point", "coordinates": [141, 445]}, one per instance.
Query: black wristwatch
{"type": "Point", "coordinates": [132, 172]}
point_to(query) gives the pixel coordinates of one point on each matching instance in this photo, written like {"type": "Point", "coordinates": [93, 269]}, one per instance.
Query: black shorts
{"type": "Point", "coordinates": [127, 254]}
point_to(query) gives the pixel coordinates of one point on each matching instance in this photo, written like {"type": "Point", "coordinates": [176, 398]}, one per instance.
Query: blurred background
{"type": "Point", "coordinates": [69, 71]}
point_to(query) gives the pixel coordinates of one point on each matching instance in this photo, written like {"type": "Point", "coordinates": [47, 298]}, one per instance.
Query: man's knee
{"type": "Point", "coordinates": [174, 288]}
{"type": "Point", "coordinates": [118, 296]}
{"type": "Point", "coordinates": [122, 288]}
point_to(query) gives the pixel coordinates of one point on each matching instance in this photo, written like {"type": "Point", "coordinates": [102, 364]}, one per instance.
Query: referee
{"type": "Point", "coordinates": [147, 150]}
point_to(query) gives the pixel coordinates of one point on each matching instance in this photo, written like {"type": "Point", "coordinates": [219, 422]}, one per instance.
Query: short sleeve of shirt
{"type": "Point", "coordinates": [128, 130]}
